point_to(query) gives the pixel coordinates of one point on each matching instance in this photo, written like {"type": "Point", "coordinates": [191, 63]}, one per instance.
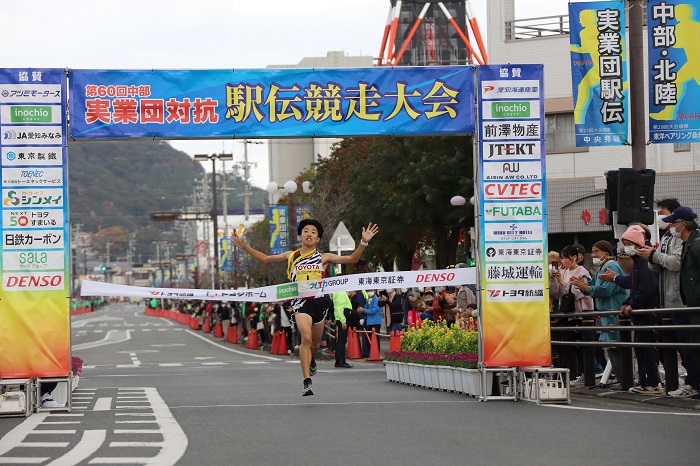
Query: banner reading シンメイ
{"type": "Point", "coordinates": [34, 303]}
{"type": "Point", "coordinates": [271, 103]}
{"type": "Point", "coordinates": [599, 72]}
{"type": "Point", "coordinates": [674, 71]}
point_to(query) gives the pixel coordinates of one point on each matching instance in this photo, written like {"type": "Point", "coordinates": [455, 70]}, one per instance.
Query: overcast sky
{"type": "Point", "coordinates": [201, 34]}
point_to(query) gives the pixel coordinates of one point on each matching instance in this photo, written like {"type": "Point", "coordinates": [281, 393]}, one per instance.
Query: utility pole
{"type": "Point", "coordinates": [638, 116]}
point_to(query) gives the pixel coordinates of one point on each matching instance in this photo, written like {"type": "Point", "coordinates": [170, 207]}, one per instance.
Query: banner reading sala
{"type": "Point", "coordinates": [271, 103]}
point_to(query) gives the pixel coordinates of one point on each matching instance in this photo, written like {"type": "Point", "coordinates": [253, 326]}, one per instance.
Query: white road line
{"type": "Point", "coordinates": [47, 423]}
{"type": "Point", "coordinates": [255, 362]}
{"type": "Point", "coordinates": [137, 444]}
{"type": "Point", "coordinates": [49, 432]}
{"type": "Point", "coordinates": [90, 442]}
{"type": "Point", "coordinates": [21, 460]}
{"type": "Point", "coordinates": [52, 415]}
{"type": "Point", "coordinates": [43, 444]}
{"type": "Point", "coordinates": [172, 364]}
{"type": "Point", "coordinates": [107, 460]}
{"type": "Point", "coordinates": [223, 363]}
{"type": "Point", "coordinates": [131, 401]}
{"type": "Point", "coordinates": [16, 435]}
{"type": "Point", "coordinates": [130, 397]}
{"type": "Point", "coordinates": [137, 431]}
{"type": "Point", "coordinates": [625, 411]}
{"type": "Point", "coordinates": [135, 422]}
{"type": "Point", "coordinates": [133, 407]}
{"type": "Point", "coordinates": [113, 336]}
{"type": "Point", "coordinates": [136, 414]}
{"type": "Point", "coordinates": [103, 404]}
{"type": "Point", "coordinates": [230, 349]}
{"type": "Point", "coordinates": [145, 329]}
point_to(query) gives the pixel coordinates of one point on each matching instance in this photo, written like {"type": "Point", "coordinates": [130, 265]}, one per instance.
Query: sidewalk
{"type": "Point", "coordinates": [649, 400]}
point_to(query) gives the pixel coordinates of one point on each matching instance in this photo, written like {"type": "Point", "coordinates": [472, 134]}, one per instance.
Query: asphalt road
{"type": "Point", "coordinates": [155, 392]}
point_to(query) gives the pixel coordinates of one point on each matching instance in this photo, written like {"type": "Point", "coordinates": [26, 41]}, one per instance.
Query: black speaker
{"type": "Point", "coordinates": [635, 196]}
{"type": "Point", "coordinates": [610, 195]}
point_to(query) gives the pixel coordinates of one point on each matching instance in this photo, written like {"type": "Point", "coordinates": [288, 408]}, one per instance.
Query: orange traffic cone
{"type": "Point", "coordinates": [232, 334]}
{"type": "Point", "coordinates": [253, 340]}
{"type": "Point", "coordinates": [374, 348]}
{"type": "Point", "coordinates": [283, 343]}
{"type": "Point", "coordinates": [275, 342]}
{"type": "Point", "coordinates": [207, 326]}
{"type": "Point", "coordinates": [353, 344]}
{"type": "Point", "coordinates": [392, 341]}
{"type": "Point", "coordinates": [280, 345]}
{"type": "Point", "coordinates": [195, 323]}
{"type": "Point", "coordinates": [218, 330]}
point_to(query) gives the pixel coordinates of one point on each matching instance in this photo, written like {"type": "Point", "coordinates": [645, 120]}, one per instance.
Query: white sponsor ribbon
{"type": "Point", "coordinates": [302, 289]}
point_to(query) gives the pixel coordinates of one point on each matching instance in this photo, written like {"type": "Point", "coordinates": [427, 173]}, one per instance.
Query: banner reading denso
{"type": "Point", "coordinates": [271, 103]}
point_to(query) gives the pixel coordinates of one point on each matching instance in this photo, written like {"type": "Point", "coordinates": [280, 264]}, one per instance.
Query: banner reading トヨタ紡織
{"type": "Point", "coordinates": [34, 306]}
{"type": "Point", "coordinates": [599, 72]}
{"type": "Point", "coordinates": [271, 103]}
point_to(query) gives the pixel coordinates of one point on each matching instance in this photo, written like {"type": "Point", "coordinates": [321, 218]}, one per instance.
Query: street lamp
{"type": "Point", "coordinates": [214, 210]}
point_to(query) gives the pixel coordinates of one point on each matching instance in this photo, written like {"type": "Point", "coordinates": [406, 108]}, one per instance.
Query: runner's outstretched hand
{"type": "Point", "coordinates": [369, 232]}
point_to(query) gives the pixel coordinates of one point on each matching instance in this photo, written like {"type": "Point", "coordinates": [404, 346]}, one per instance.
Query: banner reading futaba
{"type": "Point", "coordinates": [34, 299]}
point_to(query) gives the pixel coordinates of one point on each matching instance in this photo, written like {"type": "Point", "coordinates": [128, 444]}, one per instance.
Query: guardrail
{"type": "Point", "coordinates": [626, 378]}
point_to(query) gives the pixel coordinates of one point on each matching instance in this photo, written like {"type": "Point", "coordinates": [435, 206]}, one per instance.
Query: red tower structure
{"type": "Point", "coordinates": [420, 33]}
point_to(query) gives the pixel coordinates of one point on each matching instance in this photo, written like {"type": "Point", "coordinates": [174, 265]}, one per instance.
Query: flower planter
{"type": "Point", "coordinates": [413, 374]}
{"type": "Point", "coordinates": [427, 378]}
{"type": "Point", "coordinates": [403, 372]}
{"type": "Point", "coordinates": [446, 379]}
{"type": "Point", "coordinates": [75, 380]}
{"type": "Point", "coordinates": [473, 379]}
{"type": "Point", "coordinates": [457, 375]}
{"type": "Point", "coordinates": [466, 381]}
{"type": "Point", "coordinates": [434, 378]}
{"type": "Point", "coordinates": [391, 370]}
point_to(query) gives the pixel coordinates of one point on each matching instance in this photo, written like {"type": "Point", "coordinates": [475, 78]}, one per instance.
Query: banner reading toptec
{"type": "Point", "coordinates": [271, 103]}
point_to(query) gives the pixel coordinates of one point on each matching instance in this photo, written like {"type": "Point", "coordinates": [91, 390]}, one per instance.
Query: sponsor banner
{"type": "Point", "coordinates": [35, 93]}
{"type": "Point", "coordinates": [512, 292]}
{"type": "Point", "coordinates": [510, 130]}
{"type": "Point", "coordinates": [506, 109]}
{"type": "Point", "coordinates": [35, 294]}
{"type": "Point", "coordinates": [34, 156]}
{"type": "Point", "coordinates": [504, 251]}
{"type": "Point", "coordinates": [271, 102]}
{"type": "Point", "coordinates": [514, 272]}
{"type": "Point", "coordinates": [34, 218]}
{"type": "Point", "coordinates": [512, 190]}
{"type": "Point", "coordinates": [21, 198]}
{"type": "Point", "coordinates": [512, 246]}
{"type": "Point", "coordinates": [225, 254]}
{"type": "Point", "coordinates": [32, 176]}
{"type": "Point", "coordinates": [30, 114]}
{"type": "Point", "coordinates": [495, 211]}
{"type": "Point", "coordinates": [279, 229]}
{"type": "Point", "coordinates": [302, 289]}
{"type": "Point", "coordinates": [496, 171]}
{"type": "Point", "coordinates": [31, 135]}
{"type": "Point", "coordinates": [673, 56]}
{"type": "Point", "coordinates": [599, 72]}
{"type": "Point", "coordinates": [33, 260]}
{"type": "Point", "coordinates": [512, 150]}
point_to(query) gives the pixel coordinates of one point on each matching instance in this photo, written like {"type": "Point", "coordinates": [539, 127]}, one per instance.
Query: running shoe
{"type": "Point", "coordinates": [648, 390]}
{"type": "Point", "coordinates": [682, 392]}
{"type": "Point", "coordinates": [308, 390]}
{"type": "Point", "coordinates": [48, 402]}
{"type": "Point", "coordinates": [312, 368]}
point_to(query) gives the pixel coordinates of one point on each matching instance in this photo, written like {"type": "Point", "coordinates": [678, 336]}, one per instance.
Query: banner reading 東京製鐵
{"type": "Point", "coordinates": [34, 298]}
{"type": "Point", "coordinates": [271, 102]}
{"type": "Point", "coordinates": [674, 71]}
{"type": "Point", "coordinates": [513, 211]}
{"type": "Point", "coordinates": [599, 72]}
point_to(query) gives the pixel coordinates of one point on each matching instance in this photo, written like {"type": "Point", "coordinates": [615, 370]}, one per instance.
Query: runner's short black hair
{"type": "Point", "coordinates": [310, 221]}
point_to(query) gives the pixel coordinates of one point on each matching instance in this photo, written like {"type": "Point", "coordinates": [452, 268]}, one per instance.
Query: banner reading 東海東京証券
{"type": "Point", "coordinates": [599, 72]}
{"type": "Point", "coordinates": [34, 303]}
{"type": "Point", "coordinates": [674, 71]}
{"type": "Point", "coordinates": [271, 102]}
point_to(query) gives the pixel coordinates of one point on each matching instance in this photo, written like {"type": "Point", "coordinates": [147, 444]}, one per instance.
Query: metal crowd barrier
{"type": "Point", "coordinates": [626, 378]}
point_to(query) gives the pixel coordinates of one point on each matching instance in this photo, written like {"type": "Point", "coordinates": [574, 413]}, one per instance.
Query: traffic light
{"type": "Point", "coordinates": [104, 268]}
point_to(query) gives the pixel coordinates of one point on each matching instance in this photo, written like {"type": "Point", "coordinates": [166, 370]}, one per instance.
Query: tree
{"type": "Point", "coordinates": [112, 241]}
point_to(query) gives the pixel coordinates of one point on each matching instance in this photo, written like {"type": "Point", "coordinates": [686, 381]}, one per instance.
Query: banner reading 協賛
{"type": "Point", "coordinates": [513, 212]}
{"type": "Point", "coordinates": [674, 61]}
{"type": "Point", "coordinates": [34, 298]}
{"type": "Point", "coordinates": [271, 103]}
{"type": "Point", "coordinates": [279, 229]}
{"type": "Point", "coordinates": [599, 72]}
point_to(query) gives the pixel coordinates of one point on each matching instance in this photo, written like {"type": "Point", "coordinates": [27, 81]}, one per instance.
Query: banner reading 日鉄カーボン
{"type": "Point", "coordinates": [674, 76]}
{"type": "Point", "coordinates": [271, 103]}
{"type": "Point", "coordinates": [34, 303]}
{"type": "Point", "coordinates": [599, 72]}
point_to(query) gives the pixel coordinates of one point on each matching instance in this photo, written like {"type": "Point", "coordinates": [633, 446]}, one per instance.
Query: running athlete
{"type": "Point", "coordinates": [309, 264]}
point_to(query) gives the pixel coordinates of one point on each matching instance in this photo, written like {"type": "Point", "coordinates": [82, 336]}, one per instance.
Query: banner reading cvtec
{"type": "Point", "coordinates": [271, 103]}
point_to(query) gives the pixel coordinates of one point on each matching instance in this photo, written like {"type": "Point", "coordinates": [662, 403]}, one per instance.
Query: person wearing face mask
{"type": "Point", "coordinates": [684, 224]}
{"type": "Point", "coordinates": [392, 300]}
{"type": "Point", "coordinates": [643, 284]}
{"type": "Point", "coordinates": [373, 320]}
{"type": "Point", "coordinates": [666, 261]}
{"type": "Point", "coordinates": [606, 295]}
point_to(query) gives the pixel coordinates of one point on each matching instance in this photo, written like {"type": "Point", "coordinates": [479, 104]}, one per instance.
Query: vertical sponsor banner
{"type": "Point", "coordinates": [599, 72]}
{"type": "Point", "coordinates": [301, 212]}
{"type": "Point", "coordinates": [34, 303]}
{"type": "Point", "coordinates": [674, 64]}
{"type": "Point", "coordinates": [512, 211]}
{"type": "Point", "coordinates": [226, 254]}
{"type": "Point", "coordinates": [279, 229]}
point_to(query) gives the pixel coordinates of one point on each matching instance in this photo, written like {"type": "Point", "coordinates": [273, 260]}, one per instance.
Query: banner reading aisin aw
{"type": "Point", "coordinates": [34, 299]}
{"type": "Point", "coordinates": [599, 72]}
{"type": "Point", "coordinates": [512, 227]}
{"type": "Point", "coordinates": [674, 71]}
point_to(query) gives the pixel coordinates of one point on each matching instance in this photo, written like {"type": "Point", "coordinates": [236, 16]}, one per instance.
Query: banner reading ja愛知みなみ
{"type": "Point", "coordinates": [674, 76]}
{"type": "Point", "coordinates": [599, 72]}
{"type": "Point", "coordinates": [34, 303]}
{"type": "Point", "coordinates": [271, 103]}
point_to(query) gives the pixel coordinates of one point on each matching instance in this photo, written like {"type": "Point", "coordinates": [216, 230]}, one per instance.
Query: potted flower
{"type": "Point", "coordinates": [76, 370]}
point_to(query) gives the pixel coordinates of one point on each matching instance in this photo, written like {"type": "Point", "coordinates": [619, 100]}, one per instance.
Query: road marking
{"type": "Point", "coordinates": [16, 435]}
{"type": "Point", "coordinates": [43, 444]}
{"type": "Point", "coordinates": [341, 403]}
{"type": "Point", "coordinates": [50, 432]}
{"type": "Point", "coordinates": [230, 349]}
{"type": "Point", "coordinates": [103, 404]}
{"type": "Point", "coordinates": [89, 443]}
{"type": "Point", "coordinates": [223, 363]}
{"type": "Point", "coordinates": [136, 444]}
{"type": "Point", "coordinates": [136, 431]}
{"type": "Point", "coordinates": [255, 362]}
{"type": "Point", "coordinates": [202, 358]}
{"type": "Point", "coordinates": [113, 336]}
{"type": "Point", "coordinates": [625, 411]}
{"type": "Point", "coordinates": [171, 364]}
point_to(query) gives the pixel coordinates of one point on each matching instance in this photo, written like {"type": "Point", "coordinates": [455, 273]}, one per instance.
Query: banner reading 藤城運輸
{"type": "Point", "coordinates": [271, 103]}
{"type": "Point", "coordinates": [34, 299]}
{"type": "Point", "coordinates": [674, 71]}
{"type": "Point", "coordinates": [599, 72]}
